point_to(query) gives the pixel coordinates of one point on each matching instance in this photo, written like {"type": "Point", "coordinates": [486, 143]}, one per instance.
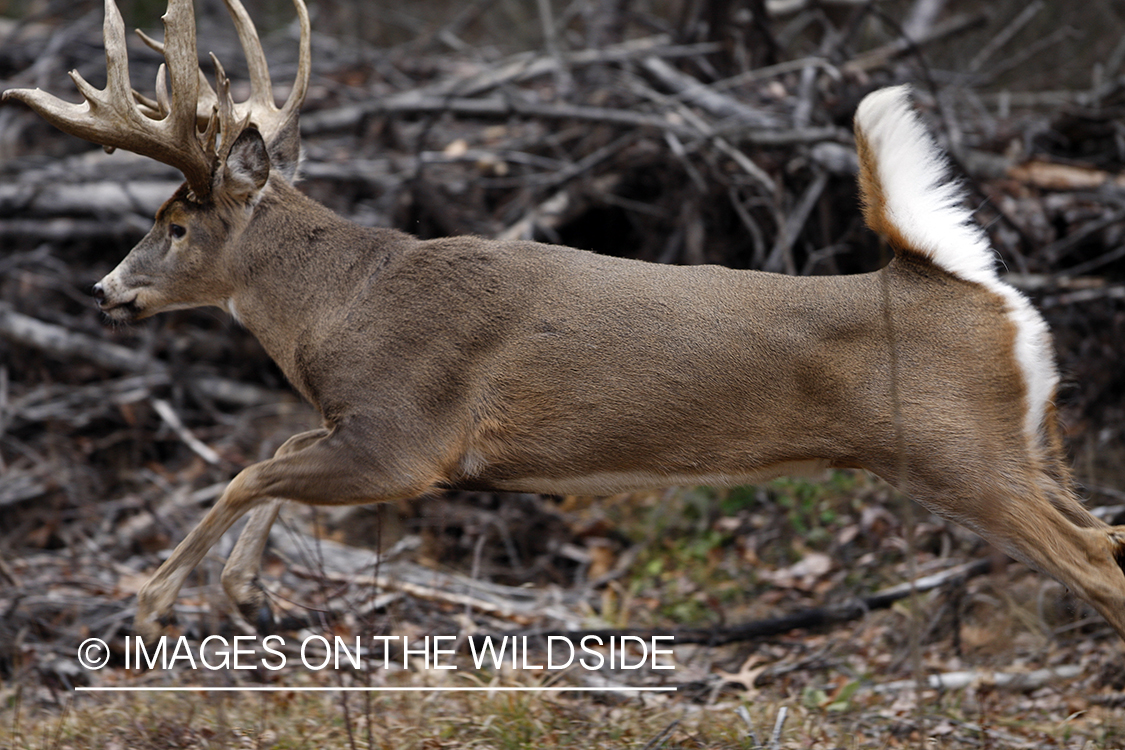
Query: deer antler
{"type": "Point", "coordinates": [259, 109]}
{"type": "Point", "coordinates": [192, 128]}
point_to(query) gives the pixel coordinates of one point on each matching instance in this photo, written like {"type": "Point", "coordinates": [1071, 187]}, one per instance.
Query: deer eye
{"type": "Point", "coordinates": [176, 231]}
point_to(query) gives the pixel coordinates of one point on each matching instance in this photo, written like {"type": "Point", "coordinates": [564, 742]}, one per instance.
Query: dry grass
{"type": "Point", "coordinates": [453, 720]}
{"type": "Point", "coordinates": [317, 720]}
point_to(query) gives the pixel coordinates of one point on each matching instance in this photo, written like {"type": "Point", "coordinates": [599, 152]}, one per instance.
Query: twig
{"type": "Point", "coordinates": [749, 167]}
{"type": "Point", "coordinates": [781, 257]}
{"type": "Point", "coordinates": [705, 130]}
{"type": "Point", "coordinates": [469, 11]}
{"type": "Point", "coordinates": [775, 737]}
{"type": "Point", "coordinates": [1011, 680]}
{"type": "Point", "coordinates": [546, 215]}
{"type": "Point", "coordinates": [659, 740]}
{"type": "Point", "coordinates": [1056, 250]}
{"type": "Point", "coordinates": [802, 113]}
{"type": "Point", "coordinates": [882, 54]}
{"type": "Point", "coordinates": [756, 236]}
{"type": "Point", "coordinates": [695, 92]}
{"type": "Point", "coordinates": [1005, 35]}
{"type": "Point", "coordinates": [1082, 296]}
{"type": "Point", "coordinates": [590, 160]}
{"type": "Point", "coordinates": [526, 66]}
{"type": "Point", "coordinates": [676, 146]}
{"type": "Point", "coordinates": [744, 714]}
{"type": "Point", "coordinates": [563, 80]}
{"type": "Point", "coordinates": [345, 565]}
{"type": "Point", "coordinates": [772, 71]}
{"type": "Point", "coordinates": [1102, 260]}
{"type": "Point", "coordinates": [19, 487]}
{"type": "Point", "coordinates": [73, 404]}
{"type": "Point", "coordinates": [172, 419]}
{"type": "Point", "coordinates": [433, 593]}
{"type": "Point", "coordinates": [1027, 53]}
{"type": "Point", "coordinates": [346, 117]}
{"type": "Point", "coordinates": [787, 7]}
{"type": "Point", "coordinates": [808, 618]}
{"type": "Point", "coordinates": [921, 17]}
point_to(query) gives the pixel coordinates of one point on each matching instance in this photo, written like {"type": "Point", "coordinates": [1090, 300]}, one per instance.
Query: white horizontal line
{"type": "Point", "coordinates": [277, 689]}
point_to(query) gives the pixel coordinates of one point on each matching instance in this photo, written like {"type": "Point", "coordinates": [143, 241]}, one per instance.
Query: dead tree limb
{"type": "Point", "coordinates": [809, 618]}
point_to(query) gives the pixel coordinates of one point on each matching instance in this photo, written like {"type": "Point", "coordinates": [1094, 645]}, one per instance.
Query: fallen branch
{"type": "Point", "coordinates": [1009, 680]}
{"type": "Point", "coordinates": [1082, 296]}
{"type": "Point", "coordinates": [123, 228]}
{"type": "Point", "coordinates": [781, 257]}
{"type": "Point", "coordinates": [351, 566]}
{"type": "Point", "coordinates": [343, 118]}
{"type": "Point", "coordinates": [809, 618]}
{"type": "Point", "coordinates": [695, 92]}
{"type": "Point", "coordinates": [883, 54]}
{"type": "Point", "coordinates": [65, 344]}
{"type": "Point", "coordinates": [172, 419]}
{"type": "Point", "coordinates": [19, 487]}
{"type": "Point", "coordinates": [525, 66]}
{"type": "Point", "coordinates": [111, 197]}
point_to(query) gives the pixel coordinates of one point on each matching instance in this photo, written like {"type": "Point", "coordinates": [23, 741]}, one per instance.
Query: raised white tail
{"type": "Point", "coordinates": [465, 362]}
{"type": "Point", "coordinates": [909, 199]}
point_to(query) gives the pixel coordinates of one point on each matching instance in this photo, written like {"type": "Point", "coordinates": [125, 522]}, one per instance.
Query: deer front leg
{"type": "Point", "coordinates": [322, 467]}
{"type": "Point", "coordinates": [240, 574]}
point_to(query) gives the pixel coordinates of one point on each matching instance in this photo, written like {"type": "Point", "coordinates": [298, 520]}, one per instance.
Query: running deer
{"type": "Point", "coordinates": [517, 366]}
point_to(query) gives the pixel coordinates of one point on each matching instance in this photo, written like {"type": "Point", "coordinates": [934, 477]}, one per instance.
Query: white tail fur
{"type": "Point", "coordinates": [925, 211]}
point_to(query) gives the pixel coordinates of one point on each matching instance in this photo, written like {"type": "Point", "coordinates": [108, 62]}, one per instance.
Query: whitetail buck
{"type": "Point", "coordinates": [517, 366]}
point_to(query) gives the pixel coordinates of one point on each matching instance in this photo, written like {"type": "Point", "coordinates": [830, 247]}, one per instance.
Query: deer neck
{"type": "Point", "coordinates": [296, 259]}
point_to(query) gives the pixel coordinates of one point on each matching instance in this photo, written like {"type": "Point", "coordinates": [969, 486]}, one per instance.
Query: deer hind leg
{"type": "Point", "coordinates": [240, 574]}
{"type": "Point", "coordinates": [1049, 530]}
{"type": "Point", "coordinates": [1032, 514]}
{"type": "Point", "coordinates": [322, 467]}
{"type": "Point", "coordinates": [1089, 560]}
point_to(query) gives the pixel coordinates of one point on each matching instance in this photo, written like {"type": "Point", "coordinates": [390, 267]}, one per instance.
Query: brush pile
{"type": "Point", "coordinates": [719, 136]}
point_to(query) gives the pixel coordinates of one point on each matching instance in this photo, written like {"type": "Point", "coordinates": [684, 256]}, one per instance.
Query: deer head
{"type": "Point", "coordinates": [226, 150]}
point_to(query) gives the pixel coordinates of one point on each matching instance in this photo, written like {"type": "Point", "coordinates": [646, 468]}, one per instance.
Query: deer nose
{"type": "Point", "coordinates": [99, 294]}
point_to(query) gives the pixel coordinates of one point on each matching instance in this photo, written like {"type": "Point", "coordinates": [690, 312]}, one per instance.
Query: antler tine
{"type": "Point", "coordinates": [260, 107]}
{"type": "Point", "coordinates": [229, 125]}
{"type": "Point", "coordinates": [111, 116]}
{"type": "Point", "coordinates": [261, 88]}
{"type": "Point", "coordinates": [116, 55]}
{"type": "Point", "coordinates": [182, 61]}
{"type": "Point", "coordinates": [168, 129]}
{"type": "Point", "coordinates": [207, 101]}
{"type": "Point", "coordinates": [304, 65]}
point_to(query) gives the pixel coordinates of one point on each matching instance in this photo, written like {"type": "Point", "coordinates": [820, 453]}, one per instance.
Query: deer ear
{"type": "Point", "coordinates": [285, 149]}
{"type": "Point", "coordinates": [248, 165]}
